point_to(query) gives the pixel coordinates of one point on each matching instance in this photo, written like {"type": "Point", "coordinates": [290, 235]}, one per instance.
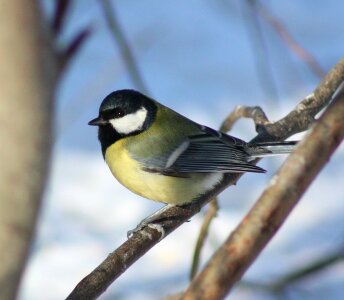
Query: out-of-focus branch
{"type": "Point", "coordinates": [28, 72]}
{"type": "Point", "coordinates": [123, 44]}
{"type": "Point", "coordinates": [139, 243]}
{"type": "Point", "coordinates": [67, 54]}
{"type": "Point", "coordinates": [260, 53]}
{"type": "Point", "coordinates": [208, 218]}
{"type": "Point", "coordinates": [285, 189]}
{"type": "Point", "coordinates": [58, 22]}
{"type": "Point", "coordinates": [307, 270]}
{"type": "Point", "coordinates": [287, 38]}
{"type": "Point", "coordinates": [61, 9]}
{"type": "Point", "coordinates": [281, 284]}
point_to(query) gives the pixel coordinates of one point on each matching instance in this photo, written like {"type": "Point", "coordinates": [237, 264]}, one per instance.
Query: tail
{"type": "Point", "coordinates": [270, 148]}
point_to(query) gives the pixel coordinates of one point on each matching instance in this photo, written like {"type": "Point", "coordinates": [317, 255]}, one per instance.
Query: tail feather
{"type": "Point", "coordinates": [271, 148]}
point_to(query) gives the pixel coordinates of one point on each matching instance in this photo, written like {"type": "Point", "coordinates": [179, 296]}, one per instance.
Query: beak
{"type": "Point", "coordinates": [97, 122]}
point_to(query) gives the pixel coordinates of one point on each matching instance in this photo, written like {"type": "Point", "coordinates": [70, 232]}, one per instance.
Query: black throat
{"type": "Point", "coordinates": [107, 135]}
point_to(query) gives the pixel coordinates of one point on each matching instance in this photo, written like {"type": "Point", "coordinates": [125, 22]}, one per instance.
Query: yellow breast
{"type": "Point", "coordinates": [167, 189]}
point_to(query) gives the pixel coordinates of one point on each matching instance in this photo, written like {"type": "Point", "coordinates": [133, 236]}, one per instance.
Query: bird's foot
{"type": "Point", "coordinates": [152, 222]}
{"type": "Point", "coordinates": [138, 228]}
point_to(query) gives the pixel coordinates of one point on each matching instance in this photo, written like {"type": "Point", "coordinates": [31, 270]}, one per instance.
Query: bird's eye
{"type": "Point", "coordinates": [113, 113]}
{"type": "Point", "coordinates": [118, 113]}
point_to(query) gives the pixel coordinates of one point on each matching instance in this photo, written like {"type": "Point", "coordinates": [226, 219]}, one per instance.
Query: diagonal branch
{"type": "Point", "coordinates": [285, 189]}
{"type": "Point", "coordinates": [280, 285]}
{"type": "Point", "coordinates": [287, 38]}
{"type": "Point", "coordinates": [131, 250]}
{"type": "Point", "coordinates": [123, 45]}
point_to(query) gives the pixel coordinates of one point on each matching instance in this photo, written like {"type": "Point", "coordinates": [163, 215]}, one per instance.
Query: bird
{"type": "Point", "coordinates": [163, 156]}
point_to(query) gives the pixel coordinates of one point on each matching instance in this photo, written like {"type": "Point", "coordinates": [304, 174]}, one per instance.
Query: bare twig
{"type": "Point", "coordinates": [260, 54]}
{"type": "Point", "coordinates": [307, 270]}
{"type": "Point", "coordinates": [270, 211]}
{"type": "Point", "coordinates": [61, 9]}
{"type": "Point", "coordinates": [210, 215]}
{"type": "Point", "coordinates": [281, 284]}
{"type": "Point", "coordinates": [65, 55]}
{"type": "Point", "coordinates": [302, 116]}
{"type": "Point", "coordinates": [123, 44]}
{"type": "Point", "coordinates": [132, 249]}
{"type": "Point", "coordinates": [255, 113]}
{"type": "Point", "coordinates": [288, 39]}
{"type": "Point", "coordinates": [74, 46]}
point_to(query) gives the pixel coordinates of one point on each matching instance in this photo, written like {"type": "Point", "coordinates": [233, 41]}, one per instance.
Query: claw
{"type": "Point", "coordinates": [139, 227]}
{"type": "Point", "coordinates": [154, 218]}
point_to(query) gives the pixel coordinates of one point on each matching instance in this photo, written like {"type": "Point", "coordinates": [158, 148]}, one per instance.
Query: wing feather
{"type": "Point", "coordinates": [210, 151]}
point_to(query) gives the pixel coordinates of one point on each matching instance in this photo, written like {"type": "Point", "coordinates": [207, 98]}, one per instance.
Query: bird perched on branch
{"type": "Point", "coordinates": [163, 156]}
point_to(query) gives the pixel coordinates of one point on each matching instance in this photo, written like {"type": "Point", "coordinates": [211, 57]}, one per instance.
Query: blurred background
{"type": "Point", "coordinates": [201, 58]}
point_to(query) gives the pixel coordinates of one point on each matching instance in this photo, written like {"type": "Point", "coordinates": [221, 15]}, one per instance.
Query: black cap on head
{"type": "Point", "coordinates": [128, 100]}
{"type": "Point", "coordinates": [117, 105]}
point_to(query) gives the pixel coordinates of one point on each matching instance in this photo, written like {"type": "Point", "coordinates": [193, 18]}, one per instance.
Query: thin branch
{"type": "Point", "coordinates": [307, 270]}
{"type": "Point", "coordinates": [61, 9]}
{"type": "Point", "coordinates": [303, 115]}
{"type": "Point", "coordinates": [261, 55]}
{"type": "Point", "coordinates": [281, 284]}
{"type": "Point", "coordinates": [252, 112]}
{"type": "Point", "coordinates": [131, 250]}
{"type": "Point", "coordinates": [67, 54]}
{"type": "Point", "coordinates": [285, 189]}
{"type": "Point", "coordinates": [64, 56]}
{"type": "Point", "coordinates": [288, 39]}
{"type": "Point", "coordinates": [209, 217]}
{"type": "Point", "coordinates": [119, 36]}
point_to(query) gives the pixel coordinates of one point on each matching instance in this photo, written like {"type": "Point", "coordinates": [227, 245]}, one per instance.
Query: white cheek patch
{"type": "Point", "coordinates": [131, 122]}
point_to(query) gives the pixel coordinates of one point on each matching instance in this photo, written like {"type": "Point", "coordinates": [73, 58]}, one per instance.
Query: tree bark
{"type": "Point", "coordinates": [27, 76]}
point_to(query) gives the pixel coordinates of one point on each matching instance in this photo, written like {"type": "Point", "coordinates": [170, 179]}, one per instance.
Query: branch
{"type": "Point", "coordinates": [60, 11]}
{"type": "Point", "coordinates": [285, 189]}
{"type": "Point", "coordinates": [287, 38]}
{"type": "Point", "coordinates": [280, 285]}
{"type": "Point", "coordinates": [123, 45]}
{"type": "Point", "coordinates": [260, 53]}
{"type": "Point", "coordinates": [58, 24]}
{"type": "Point", "coordinates": [70, 51]}
{"type": "Point", "coordinates": [139, 243]}
{"type": "Point", "coordinates": [307, 270]}
{"type": "Point", "coordinates": [208, 218]}
{"type": "Point", "coordinates": [28, 72]}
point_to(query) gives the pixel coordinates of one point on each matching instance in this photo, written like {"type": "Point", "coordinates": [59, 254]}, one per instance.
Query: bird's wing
{"type": "Point", "coordinates": [207, 152]}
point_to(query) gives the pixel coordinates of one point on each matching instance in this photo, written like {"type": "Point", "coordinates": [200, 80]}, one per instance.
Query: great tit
{"type": "Point", "coordinates": [163, 156]}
